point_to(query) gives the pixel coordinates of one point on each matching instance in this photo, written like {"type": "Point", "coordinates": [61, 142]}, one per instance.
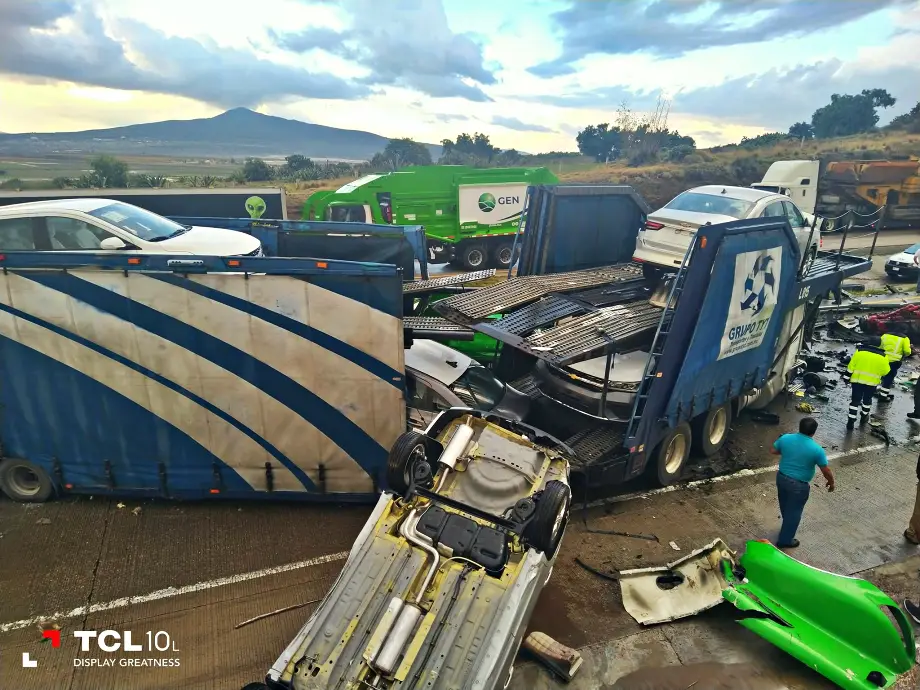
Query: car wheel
{"type": "Point", "coordinates": [25, 481]}
{"type": "Point", "coordinates": [670, 456]}
{"type": "Point", "coordinates": [548, 525]}
{"type": "Point", "coordinates": [652, 273]}
{"type": "Point", "coordinates": [473, 257]}
{"type": "Point", "coordinates": [502, 254]}
{"type": "Point", "coordinates": [406, 454]}
{"type": "Point", "coordinates": [711, 429]}
{"type": "Point", "coordinates": [810, 259]}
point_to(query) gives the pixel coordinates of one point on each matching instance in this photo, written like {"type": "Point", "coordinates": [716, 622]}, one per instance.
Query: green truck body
{"type": "Point", "coordinates": [470, 215]}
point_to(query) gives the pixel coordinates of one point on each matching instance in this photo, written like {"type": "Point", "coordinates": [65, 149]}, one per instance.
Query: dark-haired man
{"type": "Point", "coordinates": [799, 455]}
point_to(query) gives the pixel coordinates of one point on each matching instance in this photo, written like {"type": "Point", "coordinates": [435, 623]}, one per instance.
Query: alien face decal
{"type": "Point", "coordinates": [255, 206]}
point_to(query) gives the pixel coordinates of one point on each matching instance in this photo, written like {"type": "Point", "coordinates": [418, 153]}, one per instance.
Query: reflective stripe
{"type": "Point", "coordinates": [869, 378]}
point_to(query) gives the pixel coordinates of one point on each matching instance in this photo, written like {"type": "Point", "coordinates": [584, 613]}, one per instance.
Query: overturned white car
{"type": "Point", "coordinates": [440, 584]}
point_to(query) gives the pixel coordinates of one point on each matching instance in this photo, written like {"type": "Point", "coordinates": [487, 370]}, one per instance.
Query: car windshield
{"type": "Point", "coordinates": [913, 249]}
{"type": "Point", "coordinates": [478, 388]}
{"type": "Point", "coordinates": [710, 203]}
{"type": "Point", "coordinates": [139, 222]}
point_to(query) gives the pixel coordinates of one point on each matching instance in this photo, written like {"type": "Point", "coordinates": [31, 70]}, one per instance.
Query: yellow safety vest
{"type": "Point", "coordinates": [895, 346]}
{"type": "Point", "coordinates": [868, 367]}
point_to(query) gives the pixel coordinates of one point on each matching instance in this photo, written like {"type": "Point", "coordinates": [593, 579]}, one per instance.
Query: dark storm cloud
{"type": "Point", "coordinates": [170, 65]}
{"type": "Point", "coordinates": [671, 28]}
{"type": "Point", "coordinates": [413, 46]}
{"type": "Point", "coordinates": [518, 126]}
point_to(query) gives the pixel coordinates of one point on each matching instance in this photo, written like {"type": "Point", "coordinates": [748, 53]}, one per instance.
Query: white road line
{"type": "Point", "coordinates": [721, 478]}
{"type": "Point", "coordinates": [170, 592]}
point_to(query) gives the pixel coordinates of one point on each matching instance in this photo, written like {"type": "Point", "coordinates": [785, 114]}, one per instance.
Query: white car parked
{"type": "Point", "coordinates": [67, 225]}
{"type": "Point", "coordinates": [669, 231]}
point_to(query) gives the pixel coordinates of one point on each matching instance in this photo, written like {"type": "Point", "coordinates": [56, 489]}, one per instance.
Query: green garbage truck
{"type": "Point", "coordinates": [470, 215]}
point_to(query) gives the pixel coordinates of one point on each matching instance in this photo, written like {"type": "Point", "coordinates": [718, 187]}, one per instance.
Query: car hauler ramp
{"type": "Point", "coordinates": [471, 307]}
{"type": "Point", "coordinates": [421, 287]}
{"type": "Point", "coordinates": [199, 377]}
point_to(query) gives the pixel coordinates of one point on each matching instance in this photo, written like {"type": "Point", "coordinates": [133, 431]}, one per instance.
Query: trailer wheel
{"type": "Point", "coordinates": [502, 254]}
{"type": "Point", "coordinates": [670, 456]}
{"type": "Point", "coordinates": [25, 481]}
{"type": "Point", "coordinates": [473, 256]}
{"type": "Point", "coordinates": [406, 454]}
{"type": "Point", "coordinates": [711, 429]}
{"type": "Point", "coordinates": [548, 525]}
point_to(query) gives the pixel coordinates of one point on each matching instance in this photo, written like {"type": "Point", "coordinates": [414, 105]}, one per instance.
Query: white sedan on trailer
{"type": "Point", "coordinates": [669, 231]}
{"type": "Point", "coordinates": [89, 224]}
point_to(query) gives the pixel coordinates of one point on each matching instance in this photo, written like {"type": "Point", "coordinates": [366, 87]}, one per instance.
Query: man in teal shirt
{"type": "Point", "coordinates": [799, 455]}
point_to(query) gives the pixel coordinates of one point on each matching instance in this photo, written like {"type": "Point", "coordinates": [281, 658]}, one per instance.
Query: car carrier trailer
{"type": "Point", "coordinates": [251, 202]}
{"type": "Point", "coordinates": [725, 334]}
{"type": "Point", "coordinates": [196, 377]}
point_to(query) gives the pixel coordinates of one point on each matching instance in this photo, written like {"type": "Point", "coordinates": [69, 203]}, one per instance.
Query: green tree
{"type": "Point", "coordinates": [257, 170]}
{"type": "Point", "coordinates": [802, 130]}
{"type": "Point", "coordinates": [297, 162]}
{"type": "Point", "coordinates": [909, 121]}
{"type": "Point", "coordinates": [108, 171]}
{"type": "Point", "coordinates": [405, 151]}
{"type": "Point", "coordinates": [850, 114]}
{"type": "Point", "coordinates": [602, 142]}
{"type": "Point", "coordinates": [468, 149]}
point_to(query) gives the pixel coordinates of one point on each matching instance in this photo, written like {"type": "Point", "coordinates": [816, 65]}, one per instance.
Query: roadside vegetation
{"type": "Point", "coordinates": [637, 149]}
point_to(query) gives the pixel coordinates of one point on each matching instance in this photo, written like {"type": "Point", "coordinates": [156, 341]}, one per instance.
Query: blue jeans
{"type": "Point", "coordinates": [793, 495]}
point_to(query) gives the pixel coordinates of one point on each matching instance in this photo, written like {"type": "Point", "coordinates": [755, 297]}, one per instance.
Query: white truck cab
{"type": "Point", "coordinates": [796, 179]}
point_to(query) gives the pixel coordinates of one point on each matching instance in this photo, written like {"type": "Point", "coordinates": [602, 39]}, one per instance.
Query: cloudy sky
{"type": "Point", "coordinates": [530, 73]}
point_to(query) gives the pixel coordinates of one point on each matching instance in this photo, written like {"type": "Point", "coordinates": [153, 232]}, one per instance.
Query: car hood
{"type": "Point", "coordinates": [692, 219]}
{"type": "Point", "coordinates": [903, 256]}
{"type": "Point", "coordinates": [211, 242]}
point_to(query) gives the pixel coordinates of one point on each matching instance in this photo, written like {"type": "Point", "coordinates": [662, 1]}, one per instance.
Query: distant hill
{"type": "Point", "coordinates": [235, 133]}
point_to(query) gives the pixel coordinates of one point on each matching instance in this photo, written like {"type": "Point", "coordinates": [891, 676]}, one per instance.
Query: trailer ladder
{"type": "Point", "coordinates": [658, 344]}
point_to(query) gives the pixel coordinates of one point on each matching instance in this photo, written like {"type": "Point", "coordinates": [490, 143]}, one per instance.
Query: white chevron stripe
{"type": "Point", "coordinates": [374, 405]}
{"type": "Point", "coordinates": [242, 454]}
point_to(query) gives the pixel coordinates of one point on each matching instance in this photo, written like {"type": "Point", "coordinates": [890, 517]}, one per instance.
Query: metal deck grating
{"type": "Point", "coordinates": [434, 284]}
{"type": "Point", "coordinates": [583, 336]}
{"type": "Point", "coordinates": [606, 295]}
{"type": "Point", "coordinates": [593, 443]}
{"type": "Point", "coordinates": [542, 313]}
{"type": "Point", "coordinates": [433, 324]}
{"type": "Point", "coordinates": [826, 262]}
{"type": "Point", "coordinates": [521, 290]}
{"type": "Point", "coordinates": [528, 386]}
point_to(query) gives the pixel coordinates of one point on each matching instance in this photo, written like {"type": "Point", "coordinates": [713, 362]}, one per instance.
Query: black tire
{"type": "Point", "coordinates": [669, 457]}
{"type": "Point", "coordinates": [25, 481]}
{"type": "Point", "coordinates": [548, 525]}
{"type": "Point", "coordinates": [711, 429]}
{"type": "Point", "coordinates": [652, 273]}
{"type": "Point", "coordinates": [408, 450]}
{"type": "Point", "coordinates": [473, 256]}
{"type": "Point", "coordinates": [502, 254]}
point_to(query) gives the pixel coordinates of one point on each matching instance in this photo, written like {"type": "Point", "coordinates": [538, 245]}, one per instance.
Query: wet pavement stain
{"type": "Point", "coordinates": [705, 676]}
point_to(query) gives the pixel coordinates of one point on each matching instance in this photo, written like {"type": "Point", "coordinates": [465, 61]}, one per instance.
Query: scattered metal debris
{"type": "Point", "coordinates": [275, 613]}
{"type": "Point", "coordinates": [563, 661]}
{"type": "Point", "coordinates": [684, 587]}
{"type": "Point", "coordinates": [594, 571]}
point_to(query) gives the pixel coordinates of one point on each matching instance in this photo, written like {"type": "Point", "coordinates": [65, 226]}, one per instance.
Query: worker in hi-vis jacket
{"type": "Point", "coordinates": [866, 368]}
{"type": "Point", "coordinates": [896, 346]}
